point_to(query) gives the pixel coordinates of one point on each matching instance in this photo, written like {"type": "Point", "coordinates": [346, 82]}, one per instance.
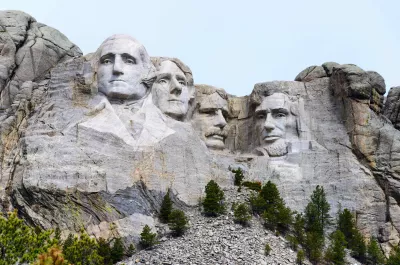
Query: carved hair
{"type": "Point", "coordinates": [263, 90]}
{"type": "Point", "coordinates": [206, 90]}
{"type": "Point", "coordinates": [157, 61]}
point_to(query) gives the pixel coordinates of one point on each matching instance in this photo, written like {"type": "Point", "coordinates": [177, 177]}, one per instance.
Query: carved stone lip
{"type": "Point", "coordinates": [117, 80]}
{"type": "Point", "coordinates": [175, 100]}
{"type": "Point", "coordinates": [217, 136]}
{"type": "Point", "coordinates": [271, 137]}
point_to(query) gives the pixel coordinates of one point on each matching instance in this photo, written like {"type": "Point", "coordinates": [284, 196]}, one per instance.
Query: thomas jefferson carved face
{"type": "Point", "coordinates": [122, 66]}
{"type": "Point", "coordinates": [170, 90]}
{"type": "Point", "coordinates": [209, 120]}
{"type": "Point", "coordinates": [273, 121]}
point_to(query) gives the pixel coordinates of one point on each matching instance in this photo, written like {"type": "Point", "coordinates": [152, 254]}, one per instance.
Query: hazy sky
{"type": "Point", "coordinates": [235, 44]}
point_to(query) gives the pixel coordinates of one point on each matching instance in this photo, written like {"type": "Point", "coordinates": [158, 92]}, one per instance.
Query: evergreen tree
{"type": "Point", "coordinates": [242, 214]}
{"type": "Point", "coordinates": [238, 176]}
{"type": "Point", "coordinates": [314, 243]}
{"type": "Point", "coordinates": [117, 250]}
{"type": "Point", "coordinates": [257, 203]}
{"type": "Point", "coordinates": [68, 242]}
{"type": "Point", "coordinates": [177, 222]}
{"type": "Point", "coordinates": [131, 250]}
{"type": "Point", "coordinates": [213, 202]}
{"type": "Point", "coordinates": [166, 208]}
{"type": "Point", "coordinates": [83, 251]}
{"type": "Point", "coordinates": [394, 258]}
{"type": "Point", "coordinates": [104, 250]}
{"type": "Point", "coordinates": [374, 253]}
{"type": "Point", "coordinates": [276, 214]}
{"type": "Point", "coordinates": [267, 249]}
{"type": "Point", "coordinates": [335, 254]}
{"type": "Point", "coordinates": [346, 225]}
{"type": "Point", "coordinates": [298, 228]}
{"type": "Point", "coordinates": [358, 247]}
{"type": "Point", "coordinates": [317, 212]}
{"type": "Point", "coordinates": [147, 238]}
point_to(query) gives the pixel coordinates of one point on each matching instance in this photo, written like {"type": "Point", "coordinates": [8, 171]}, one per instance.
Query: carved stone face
{"type": "Point", "coordinates": [170, 91]}
{"type": "Point", "coordinates": [209, 120]}
{"type": "Point", "coordinates": [121, 69]}
{"type": "Point", "coordinates": [273, 121]}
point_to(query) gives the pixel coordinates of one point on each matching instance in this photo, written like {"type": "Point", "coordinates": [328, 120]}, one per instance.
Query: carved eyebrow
{"type": "Point", "coordinates": [107, 56]}
{"type": "Point", "coordinates": [207, 109]}
{"type": "Point", "coordinates": [164, 75]}
{"type": "Point", "coordinates": [280, 110]}
{"type": "Point", "coordinates": [261, 111]}
{"type": "Point", "coordinates": [128, 56]}
{"type": "Point", "coordinates": [180, 77]}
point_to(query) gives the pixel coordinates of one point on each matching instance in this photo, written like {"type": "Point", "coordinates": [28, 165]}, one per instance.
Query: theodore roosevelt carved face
{"type": "Point", "coordinates": [123, 64]}
{"type": "Point", "coordinates": [209, 117]}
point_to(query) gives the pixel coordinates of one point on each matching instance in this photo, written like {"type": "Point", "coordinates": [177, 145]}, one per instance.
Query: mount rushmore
{"type": "Point", "coordinates": [96, 140]}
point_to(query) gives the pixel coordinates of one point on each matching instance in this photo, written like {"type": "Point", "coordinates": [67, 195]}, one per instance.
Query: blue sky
{"type": "Point", "coordinates": [235, 44]}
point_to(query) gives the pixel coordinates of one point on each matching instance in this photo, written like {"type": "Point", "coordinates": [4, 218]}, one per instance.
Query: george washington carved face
{"type": "Point", "coordinates": [123, 63]}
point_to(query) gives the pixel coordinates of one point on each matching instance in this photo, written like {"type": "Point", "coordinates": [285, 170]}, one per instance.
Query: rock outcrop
{"type": "Point", "coordinates": [96, 141]}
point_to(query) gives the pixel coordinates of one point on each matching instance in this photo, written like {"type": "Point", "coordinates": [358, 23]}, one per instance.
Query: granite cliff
{"type": "Point", "coordinates": [96, 140]}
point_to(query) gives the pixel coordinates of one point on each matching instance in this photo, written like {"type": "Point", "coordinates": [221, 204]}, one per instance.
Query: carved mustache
{"type": "Point", "coordinates": [219, 132]}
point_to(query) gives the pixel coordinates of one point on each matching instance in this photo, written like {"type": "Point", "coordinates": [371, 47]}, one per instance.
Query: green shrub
{"type": "Point", "coordinates": [131, 250]}
{"type": "Point", "coordinates": [314, 244]}
{"type": "Point", "coordinates": [300, 257]}
{"type": "Point", "coordinates": [238, 176]}
{"type": "Point", "coordinates": [177, 222]}
{"type": "Point", "coordinates": [256, 186]}
{"type": "Point", "coordinates": [166, 208]}
{"type": "Point", "coordinates": [267, 249]}
{"type": "Point", "coordinates": [213, 202]}
{"type": "Point", "coordinates": [83, 251]}
{"type": "Point", "coordinates": [292, 242]}
{"type": "Point", "coordinates": [242, 214]}
{"type": "Point", "coordinates": [358, 247]}
{"type": "Point", "coordinates": [394, 258]}
{"type": "Point", "coordinates": [147, 238]}
{"type": "Point", "coordinates": [104, 250]}
{"type": "Point", "coordinates": [20, 243]}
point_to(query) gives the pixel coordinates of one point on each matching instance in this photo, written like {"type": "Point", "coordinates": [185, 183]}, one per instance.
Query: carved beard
{"type": "Point", "coordinates": [277, 148]}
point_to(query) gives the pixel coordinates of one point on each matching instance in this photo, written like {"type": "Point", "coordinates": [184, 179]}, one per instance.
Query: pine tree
{"type": "Point", "coordinates": [147, 238]}
{"type": "Point", "coordinates": [104, 250]}
{"type": "Point", "coordinates": [177, 222]}
{"type": "Point", "coordinates": [317, 212]}
{"type": "Point", "coordinates": [117, 250]}
{"type": "Point", "coordinates": [374, 253]}
{"type": "Point", "coordinates": [238, 176]}
{"type": "Point", "coordinates": [242, 214]}
{"type": "Point", "coordinates": [166, 208]}
{"type": "Point", "coordinates": [394, 258]}
{"type": "Point", "coordinates": [257, 203]}
{"type": "Point", "coordinates": [346, 225]}
{"type": "Point", "coordinates": [83, 251]}
{"type": "Point", "coordinates": [271, 195]}
{"type": "Point", "coordinates": [213, 202]}
{"type": "Point", "coordinates": [335, 254]}
{"type": "Point", "coordinates": [314, 243]}
{"type": "Point", "coordinates": [358, 247]}
{"type": "Point", "coordinates": [298, 228]}
{"type": "Point", "coordinates": [131, 250]}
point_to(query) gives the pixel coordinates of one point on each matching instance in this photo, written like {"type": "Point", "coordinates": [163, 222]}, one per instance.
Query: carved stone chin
{"type": "Point", "coordinates": [122, 65]}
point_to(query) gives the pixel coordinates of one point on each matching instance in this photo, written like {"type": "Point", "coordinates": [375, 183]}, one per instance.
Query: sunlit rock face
{"type": "Point", "coordinates": [95, 141]}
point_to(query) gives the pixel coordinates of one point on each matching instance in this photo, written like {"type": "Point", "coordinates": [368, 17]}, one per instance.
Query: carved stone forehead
{"type": "Point", "coordinates": [275, 101]}
{"type": "Point", "coordinates": [120, 44]}
{"type": "Point", "coordinates": [170, 67]}
{"type": "Point", "coordinates": [213, 101]}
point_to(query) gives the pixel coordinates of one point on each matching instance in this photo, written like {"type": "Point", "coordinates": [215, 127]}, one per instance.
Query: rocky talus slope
{"type": "Point", "coordinates": [218, 240]}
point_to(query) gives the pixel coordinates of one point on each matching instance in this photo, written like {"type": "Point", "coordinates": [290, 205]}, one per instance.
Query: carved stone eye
{"type": "Point", "coordinates": [130, 61]}
{"type": "Point", "coordinates": [107, 61]}
{"type": "Point", "coordinates": [280, 115]}
{"type": "Point", "coordinates": [183, 83]}
{"type": "Point", "coordinates": [162, 81]}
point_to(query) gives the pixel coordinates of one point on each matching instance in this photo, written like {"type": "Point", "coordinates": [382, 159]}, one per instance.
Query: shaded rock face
{"type": "Point", "coordinates": [95, 141]}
